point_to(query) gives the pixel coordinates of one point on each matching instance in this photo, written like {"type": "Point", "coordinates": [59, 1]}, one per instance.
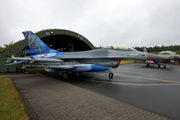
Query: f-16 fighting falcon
{"type": "Point", "coordinates": [100, 60]}
{"type": "Point", "coordinates": [170, 55]}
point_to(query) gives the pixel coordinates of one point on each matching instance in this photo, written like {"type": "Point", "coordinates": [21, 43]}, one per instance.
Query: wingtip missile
{"type": "Point", "coordinates": [9, 60]}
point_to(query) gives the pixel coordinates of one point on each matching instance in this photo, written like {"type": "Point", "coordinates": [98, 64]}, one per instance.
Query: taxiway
{"type": "Point", "coordinates": [153, 89]}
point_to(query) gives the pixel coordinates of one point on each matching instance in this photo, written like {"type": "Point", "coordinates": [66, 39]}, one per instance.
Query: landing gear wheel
{"type": "Point", "coordinates": [23, 70]}
{"type": "Point", "coordinates": [164, 66]}
{"type": "Point", "coordinates": [111, 75]}
{"type": "Point", "coordinates": [158, 66]}
{"type": "Point", "coordinates": [147, 65]}
{"type": "Point", "coordinates": [65, 75]}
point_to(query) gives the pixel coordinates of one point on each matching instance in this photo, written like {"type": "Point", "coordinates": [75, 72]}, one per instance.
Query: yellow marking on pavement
{"type": "Point", "coordinates": [134, 72]}
{"type": "Point", "coordinates": [149, 78]}
{"type": "Point", "coordinates": [142, 84]}
{"type": "Point", "coordinates": [94, 80]}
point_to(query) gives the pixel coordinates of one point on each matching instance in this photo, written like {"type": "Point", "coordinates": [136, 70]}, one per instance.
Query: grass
{"type": "Point", "coordinates": [126, 61]}
{"type": "Point", "coordinates": [11, 107]}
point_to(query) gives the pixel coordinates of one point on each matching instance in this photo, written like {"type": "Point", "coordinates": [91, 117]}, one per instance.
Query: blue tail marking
{"type": "Point", "coordinates": [36, 45]}
{"type": "Point", "coordinates": [144, 49]}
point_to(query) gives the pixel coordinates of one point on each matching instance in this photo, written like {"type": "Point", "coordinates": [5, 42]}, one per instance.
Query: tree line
{"type": "Point", "coordinates": [160, 48]}
{"type": "Point", "coordinates": [6, 45]}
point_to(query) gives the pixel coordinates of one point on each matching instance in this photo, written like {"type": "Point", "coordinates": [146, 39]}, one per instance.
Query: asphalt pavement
{"type": "Point", "coordinates": [136, 92]}
{"type": "Point", "coordinates": [150, 88]}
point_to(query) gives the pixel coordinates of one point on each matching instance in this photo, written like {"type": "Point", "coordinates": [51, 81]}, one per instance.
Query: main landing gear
{"type": "Point", "coordinates": [23, 69]}
{"type": "Point", "coordinates": [147, 65]}
{"type": "Point", "coordinates": [111, 75]}
{"type": "Point", "coordinates": [65, 75]}
{"type": "Point", "coordinates": [160, 66]}
{"type": "Point", "coordinates": [157, 64]}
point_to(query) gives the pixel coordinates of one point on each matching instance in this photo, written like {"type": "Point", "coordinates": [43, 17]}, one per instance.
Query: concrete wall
{"type": "Point", "coordinates": [15, 50]}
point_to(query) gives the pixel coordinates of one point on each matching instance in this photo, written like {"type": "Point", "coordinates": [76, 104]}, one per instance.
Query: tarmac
{"type": "Point", "coordinates": [48, 98]}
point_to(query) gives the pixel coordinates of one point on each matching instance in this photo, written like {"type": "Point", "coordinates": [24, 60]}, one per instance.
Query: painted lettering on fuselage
{"type": "Point", "coordinates": [133, 54]}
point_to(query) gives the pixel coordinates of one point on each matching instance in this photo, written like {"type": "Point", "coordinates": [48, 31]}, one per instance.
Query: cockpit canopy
{"type": "Point", "coordinates": [166, 52]}
{"type": "Point", "coordinates": [121, 48]}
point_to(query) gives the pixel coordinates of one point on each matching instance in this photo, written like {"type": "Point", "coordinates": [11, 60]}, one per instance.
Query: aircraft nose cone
{"type": "Point", "coordinates": [156, 57]}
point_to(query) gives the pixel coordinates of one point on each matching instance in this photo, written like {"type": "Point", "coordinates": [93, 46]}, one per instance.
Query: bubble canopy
{"type": "Point", "coordinates": [121, 48]}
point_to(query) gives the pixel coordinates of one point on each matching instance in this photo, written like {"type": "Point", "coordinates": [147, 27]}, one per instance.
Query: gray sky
{"type": "Point", "coordinates": [103, 22]}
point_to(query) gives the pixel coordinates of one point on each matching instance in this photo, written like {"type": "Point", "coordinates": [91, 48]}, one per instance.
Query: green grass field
{"type": "Point", "coordinates": [11, 107]}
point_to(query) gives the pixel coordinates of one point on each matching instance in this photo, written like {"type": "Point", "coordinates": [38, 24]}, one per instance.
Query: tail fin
{"type": "Point", "coordinates": [144, 49]}
{"type": "Point", "coordinates": [35, 44]}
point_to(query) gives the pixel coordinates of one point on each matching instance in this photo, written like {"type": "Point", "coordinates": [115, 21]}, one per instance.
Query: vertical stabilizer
{"type": "Point", "coordinates": [144, 49]}
{"type": "Point", "coordinates": [35, 44]}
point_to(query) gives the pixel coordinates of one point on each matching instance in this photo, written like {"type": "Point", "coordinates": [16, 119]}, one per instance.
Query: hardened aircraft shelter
{"type": "Point", "coordinates": [58, 39]}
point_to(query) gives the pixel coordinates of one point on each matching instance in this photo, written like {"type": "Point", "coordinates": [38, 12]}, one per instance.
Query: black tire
{"type": "Point", "coordinates": [23, 70]}
{"type": "Point", "coordinates": [65, 75]}
{"type": "Point", "coordinates": [147, 65]}
{"type": "Point", "coordinates": [111, 75]}
{"type": "Point", "coordinates": [164, 66]}
{"type": "Point", "coordinates": [158, 66]}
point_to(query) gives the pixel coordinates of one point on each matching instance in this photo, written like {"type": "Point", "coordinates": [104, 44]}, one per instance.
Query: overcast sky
{"type": "Point", "coordinates": [102, 22]}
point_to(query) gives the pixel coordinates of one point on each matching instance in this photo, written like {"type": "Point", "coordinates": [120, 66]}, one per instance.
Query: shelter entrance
{"type": "Point", "coordinates": [65, 43]}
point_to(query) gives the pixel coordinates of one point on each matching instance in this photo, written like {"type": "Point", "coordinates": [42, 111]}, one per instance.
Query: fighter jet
{"type": "Point", "coordinates": [170, 55]}
{"type": "Point", "coordinates": [99, 60]}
